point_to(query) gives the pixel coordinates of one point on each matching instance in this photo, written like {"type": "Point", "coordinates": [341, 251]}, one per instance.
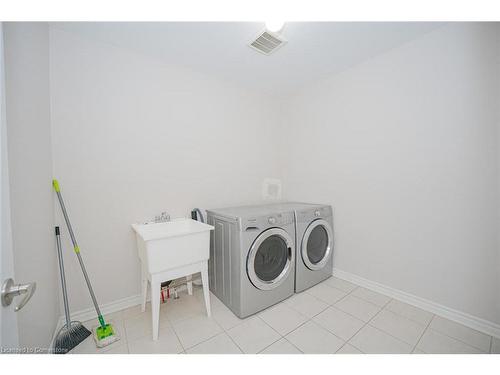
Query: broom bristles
{"type": "Point", "coordinates": [68, 338]}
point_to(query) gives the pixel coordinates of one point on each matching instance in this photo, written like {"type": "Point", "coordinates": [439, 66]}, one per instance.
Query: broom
{"type": "Point", "coordinates": [72, 333]}
{"type": "Point", "coordinates": [104, 334]}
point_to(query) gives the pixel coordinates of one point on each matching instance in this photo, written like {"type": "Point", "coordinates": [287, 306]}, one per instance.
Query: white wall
{"type": "Point", "coordinates": [30, 173]}
{"type": "Point", "coordinates": [133, 137]}
{"type": "Point", "coordinates": [405, 147]}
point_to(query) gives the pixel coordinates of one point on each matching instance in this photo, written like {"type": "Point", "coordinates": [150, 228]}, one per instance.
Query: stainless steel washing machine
{"type": "Point", "coordinates": [252, 257]}
{"type": "Point", "coordinates": [314, 242]}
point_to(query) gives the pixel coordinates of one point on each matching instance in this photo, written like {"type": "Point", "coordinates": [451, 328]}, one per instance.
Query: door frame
{"type": "Point", "coordinates": [9, 336]}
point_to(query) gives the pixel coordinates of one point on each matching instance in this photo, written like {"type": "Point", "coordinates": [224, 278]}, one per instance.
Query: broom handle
{"type": "Point", "coordinates": [63, 278]}
{"type": "Point", "coordinates": [77, 251]}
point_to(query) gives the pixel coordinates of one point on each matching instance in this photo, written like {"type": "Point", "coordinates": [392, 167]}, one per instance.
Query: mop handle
{"type": "Point", "coordinates": [55, 183]}
{"type": "Point", "coordinates": [63, 278]}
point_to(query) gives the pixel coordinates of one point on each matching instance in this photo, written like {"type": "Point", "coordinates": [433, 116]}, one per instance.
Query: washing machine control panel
{"type": "Point", "coordinates": [274, 220]}
{"type": "Point", "coordinates": [280, 219]}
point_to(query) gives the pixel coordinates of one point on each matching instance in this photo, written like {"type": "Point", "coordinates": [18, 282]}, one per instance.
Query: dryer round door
{"type": "Point", "coordinates": [270, 259]}
{"type": "Point", "coordinates": [317, 244]}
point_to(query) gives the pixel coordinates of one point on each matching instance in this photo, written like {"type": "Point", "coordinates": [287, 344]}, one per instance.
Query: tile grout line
{"type": "Point", "coordinates": [125, 333]}
{"type": "Point", "coordinates": [224, 331]}
{"type": "Point", "coordinates": [457, 339]}
{"type": "Point", "coordinates": [340, 290]}
{"type": "Point", "coordinates": [345, 312]}
{"type": "Point", "coordinates": [333, 305]}
{"type": "Point", "coordinates": [319, 325]}
{"type": "Point", "coordinates": [171, 323]}
{"type": "Point", "coordinates": [201, 342]}
{"type": "Point", "coordinates": [291, 343]}
{"type": "Point", "coordinates": [347, 294]}
{"type": "Point", "coordinates": [307, 316]}
{"type": "Point", "coordinates": [124, 330]}
{"type": "Point", "coordinates": [356, 286]}
{"type": "Point", "coordinates": [408, 318]}
{"type": "Point", "coordinates": [220, 333]}
{"type": "Point", "coordinates": [355, 333]}
{"type": "Point", "coordinates": [364, 325]}
{"type": "Point", "coordinates": [234, 342]}
{"type": "Point", "coordinates": [423, 333]}
{"type": "Point", "coordinates": [230, 338]}
{"type": "Point", "coordinates": [310, 319]}
{"type": "Point", "coordinates": [367, 323]}
{"type": "Point", "coordinates": [281, 338]}
{"type": "Point", "coordinates": [177, 336]}
{"type": "Point", "coordinates": [279, 334]}
{"type": "Point", "coordinates": [344, 291]}
{"type": "Point", "coordinates": [387, 333]}
{"type": "Point", "coordinates": [256, 316]}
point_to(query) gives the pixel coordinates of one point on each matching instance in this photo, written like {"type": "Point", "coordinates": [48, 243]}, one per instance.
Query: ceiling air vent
{"type": "Point", "coordinates": [267, 42]}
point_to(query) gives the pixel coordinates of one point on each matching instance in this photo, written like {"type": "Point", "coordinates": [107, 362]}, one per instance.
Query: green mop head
{"type": "Point", "coordinates": [104, 334]}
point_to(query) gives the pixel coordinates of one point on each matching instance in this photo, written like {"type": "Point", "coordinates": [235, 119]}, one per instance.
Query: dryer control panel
{"type": "Point", "coordinates": [314, 213]}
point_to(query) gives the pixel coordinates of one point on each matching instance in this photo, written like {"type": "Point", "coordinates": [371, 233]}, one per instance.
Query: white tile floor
{"type": "Point", "coordinates": [333, 317]}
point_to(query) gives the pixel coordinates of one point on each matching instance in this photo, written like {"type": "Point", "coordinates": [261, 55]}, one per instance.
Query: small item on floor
{"type": "Point", "coordinates": [165, 291]}
{"type": "Point", "coordinates": [72, 333]}
{"type": "Point", "coordinates": [165, 294]}
{"type": "Point", "coordinates": [104, 334]}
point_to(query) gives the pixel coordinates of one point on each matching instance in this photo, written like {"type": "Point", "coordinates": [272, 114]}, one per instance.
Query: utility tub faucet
{"type": "Point", "coordinates": [163, 218]}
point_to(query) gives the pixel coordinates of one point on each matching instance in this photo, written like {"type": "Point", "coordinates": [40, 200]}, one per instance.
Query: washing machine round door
{"type": "Point", "coordinates": [270, 259]}
{"type": "Point", "coordinates": [317, 244]}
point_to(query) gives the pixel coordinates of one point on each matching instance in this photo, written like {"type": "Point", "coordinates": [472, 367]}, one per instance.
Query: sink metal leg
{"type": "Point", "coordinates": [189, 280]}
{"type": "Point", "coordinates": [144, 289]}
{"type": "Point", "coordinates": [155, 305]}
{"type": "Point", "coordinates": [206, 291]}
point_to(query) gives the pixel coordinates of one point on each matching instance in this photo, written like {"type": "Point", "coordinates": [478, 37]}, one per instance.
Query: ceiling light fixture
{"type": "Point", "coordinates": [275, 26]}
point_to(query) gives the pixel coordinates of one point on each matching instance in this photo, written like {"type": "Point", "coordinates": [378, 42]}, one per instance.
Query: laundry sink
{"type": "Point", "coordinates": [168, 251]}
{"type": "Point", "coordinates": [171, 244]}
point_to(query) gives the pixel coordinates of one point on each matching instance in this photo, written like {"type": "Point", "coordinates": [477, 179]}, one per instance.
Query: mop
{"type": "Point", "coordinates": [72, 333]}
{"type": "Point", "coordinates": [104, 334]}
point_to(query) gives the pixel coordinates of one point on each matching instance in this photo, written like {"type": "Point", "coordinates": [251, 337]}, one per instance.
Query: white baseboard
{"type": "Point", "coordinates": [107, 308]}
{"type": "Point", "coordinates": [468, 320]}
{"type": "Point", "coordinates": [90, 313]}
